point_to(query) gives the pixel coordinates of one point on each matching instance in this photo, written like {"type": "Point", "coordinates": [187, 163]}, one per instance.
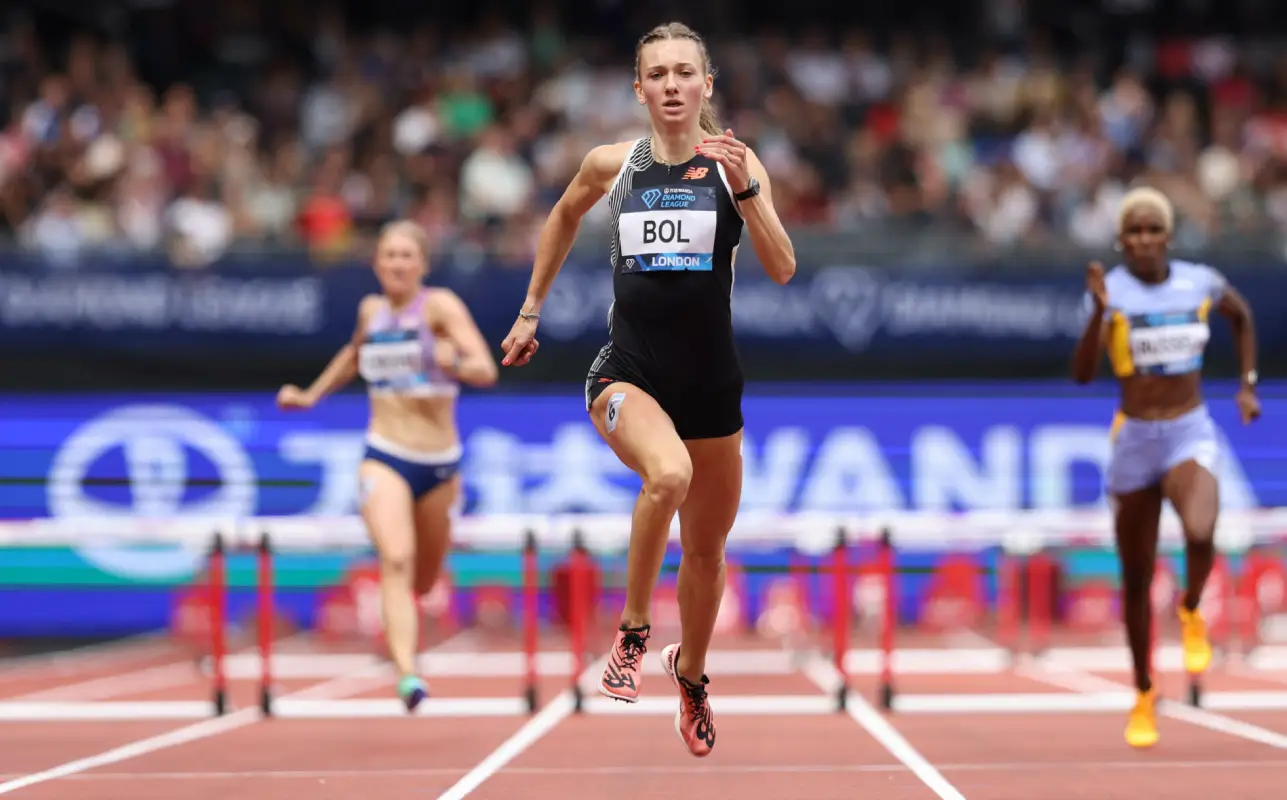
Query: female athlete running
{"type": "Point", "coordinates": [413, 346]}
{"type": "Point", "coordinates": [1152, 315]}
{"type": "Point", "coordinates": [666, 391]}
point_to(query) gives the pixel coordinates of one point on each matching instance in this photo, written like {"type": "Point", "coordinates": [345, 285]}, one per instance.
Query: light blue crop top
{"type": "Point", "coordinates": [397, 354]}
{"type": "Point", "coordinates": [1160, 329]}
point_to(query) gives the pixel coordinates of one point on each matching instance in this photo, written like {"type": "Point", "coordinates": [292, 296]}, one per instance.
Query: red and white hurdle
{"type": "Point", "coordinates": [840, 553]}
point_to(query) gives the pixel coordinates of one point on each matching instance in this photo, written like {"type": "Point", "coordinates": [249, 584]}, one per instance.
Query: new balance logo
{"type": "Point", "coordinates": [614, 679]}
{"type": "Point", "coordinates": [696, 173]}
{"type": "Point", "coordinates": [705, 731]}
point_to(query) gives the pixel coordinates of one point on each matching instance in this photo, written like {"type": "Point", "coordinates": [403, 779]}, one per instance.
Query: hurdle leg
{"type": "Point", "coordinates": [840, 622]}
{"type": "Point", "coordinates": [267, 609]}
{"type": "Point", "coordinates": [889, 621]}
{"type": "Point", "coordinates": [1008, 602]}
{"type": "Point", "coordinates": [1195, 686]}
{"type": "Point", "coordinates": [1248, 618]}
{"type": "Point", "coordinates": [1040, 600]}
{"type": "Point", "coordinates": [531, 576]}
{"type": "Point", "coordinates": [578, 612]}
{"type": "Point", "coordinates": [218, 593]}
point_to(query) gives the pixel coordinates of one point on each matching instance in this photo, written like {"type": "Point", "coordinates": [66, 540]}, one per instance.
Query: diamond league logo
{"type": "Point", "coordinates": [154, 441]}
{"type": "Point", "coordinates": [847, 301]}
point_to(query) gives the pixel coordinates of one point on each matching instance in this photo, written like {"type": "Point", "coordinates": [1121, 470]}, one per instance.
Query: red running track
{"type": "Point", "coordinates": [627, 755]}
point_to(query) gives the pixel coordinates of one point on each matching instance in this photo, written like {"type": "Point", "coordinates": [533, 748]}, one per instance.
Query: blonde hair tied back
{"type": "Point", "coordinates": [678, 30]}
{"type": "Point", "coordinates": [412, 230]}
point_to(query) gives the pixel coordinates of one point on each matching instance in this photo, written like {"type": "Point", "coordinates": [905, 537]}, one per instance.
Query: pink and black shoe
{"type": "Point", "coordinates": [694, 722]}
{"type": "Point", "coordinates": [623, 676]}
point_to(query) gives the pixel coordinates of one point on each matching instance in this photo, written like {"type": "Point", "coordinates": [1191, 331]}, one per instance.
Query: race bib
{"type": "Point", "coordinates": [1165, 344]}
{"type": "Point", "coordinates": [391, 361]}
{"type": "Point", "coordinates": [668, 228]}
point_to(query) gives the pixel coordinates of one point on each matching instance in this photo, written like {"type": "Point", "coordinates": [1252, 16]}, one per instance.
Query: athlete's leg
{"type": "Point", "coordinates": [1136, 527]}
{"type": "Point", "coordinates": [433, 532]}
{"type": "Point", "coordinates": [1135, 523]}
{"type": "Point", "coordinates": [1195, 495]}
{"type": "Point", "coordinates": [705, 519]}
{"type": "Point", "coordinates": [387, 510]}
{"type": "Point", "coordinates": [644, 438]}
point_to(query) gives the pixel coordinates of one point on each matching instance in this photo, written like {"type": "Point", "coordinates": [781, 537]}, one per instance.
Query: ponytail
{"type": "Point", "coordinates": [708, 120]}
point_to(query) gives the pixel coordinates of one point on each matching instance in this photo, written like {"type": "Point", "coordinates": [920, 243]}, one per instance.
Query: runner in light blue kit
{"type": "Point", "coordinates": [1151, 314]}
{"type": "Point", "coordinates": [413, 346]}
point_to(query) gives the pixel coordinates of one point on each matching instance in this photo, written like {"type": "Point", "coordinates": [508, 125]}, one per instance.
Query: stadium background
{"type": "Point", "coordinates": [188, 195]}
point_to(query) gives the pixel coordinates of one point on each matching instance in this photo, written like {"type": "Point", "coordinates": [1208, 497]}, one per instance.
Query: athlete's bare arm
{"type": "Point", "coordinates": [1090, 347]}
{"type": "Point", "coordinates": [768, 236]}
{"type": "Point", "coordinates": [1235, 308]}
{"type": "Point", "coordinates": [592, 181]}
{"type": "Point", "coordinates": [342, 368]}
{"type": "Point", "coordinates": [474, 364]}
{"type": "Point", "coordinates": [770, 239]}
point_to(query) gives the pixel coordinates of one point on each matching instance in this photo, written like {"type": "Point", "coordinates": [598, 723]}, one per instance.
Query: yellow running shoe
{"type": "Point", "coordinates": [1193, 636]}
{"type": "Point", "coordinates": [1141, 725]}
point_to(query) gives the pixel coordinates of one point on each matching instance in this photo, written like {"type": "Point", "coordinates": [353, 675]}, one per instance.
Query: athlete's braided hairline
{"type": "Point", "coordinates": [674, 30]}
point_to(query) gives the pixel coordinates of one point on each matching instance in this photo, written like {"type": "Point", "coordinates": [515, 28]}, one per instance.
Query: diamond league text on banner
{"type": "Point", "coordinates": [159, 301]}
{"type": "Point", "coordinates": [850, 306]}
{"type": "Point", "coordinates": [858, 451]}
{"type": "Point", "coordinates": [277, 315]}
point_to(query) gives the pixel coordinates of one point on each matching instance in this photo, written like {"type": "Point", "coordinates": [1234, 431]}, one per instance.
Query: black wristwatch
{"type": "Point", "coordinates": [752, 189]}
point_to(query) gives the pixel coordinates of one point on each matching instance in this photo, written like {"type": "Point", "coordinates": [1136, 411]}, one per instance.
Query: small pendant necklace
{"type": "Point", "coordinates": [669, 165]}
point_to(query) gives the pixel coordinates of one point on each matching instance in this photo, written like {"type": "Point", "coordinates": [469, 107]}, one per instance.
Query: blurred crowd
{"type": "Point", "coordinates": [313, 134]}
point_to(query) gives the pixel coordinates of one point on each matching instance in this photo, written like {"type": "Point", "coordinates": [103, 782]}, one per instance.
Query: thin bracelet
{"type": "Point", "coordinates": [529, 315]}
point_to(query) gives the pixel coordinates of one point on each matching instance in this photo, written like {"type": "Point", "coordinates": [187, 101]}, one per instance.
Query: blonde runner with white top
{"type": "Point", "coordinates": [413, 346]}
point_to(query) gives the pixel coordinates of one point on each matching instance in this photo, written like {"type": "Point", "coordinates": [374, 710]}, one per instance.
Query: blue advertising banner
{"type": "Point", "coordinates": [285, 312]}
{"type": "Point", "coordinates": [928, 447]}
{"type": "Point", "coordinates": [848, 449]}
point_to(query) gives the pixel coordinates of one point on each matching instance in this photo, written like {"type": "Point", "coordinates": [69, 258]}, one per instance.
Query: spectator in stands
{"type": "Point", "coordinates": [56, 230]}
{"type": "Point", "coordinates": [495, 181]}
{"type": "Point", "coordinates": [310, 132]}
{"type": "Point", "coordinates": [198, 225]}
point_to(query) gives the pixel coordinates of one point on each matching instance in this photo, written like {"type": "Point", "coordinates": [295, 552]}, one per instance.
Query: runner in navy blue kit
{"type": "Point", "coordinates": [666, 391]}
{"type": "Point", "coordinates": [414, 346]}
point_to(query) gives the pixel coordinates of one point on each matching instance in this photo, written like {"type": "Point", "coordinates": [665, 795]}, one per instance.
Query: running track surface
{"type": "Point", "coordinates": [633, 753]}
